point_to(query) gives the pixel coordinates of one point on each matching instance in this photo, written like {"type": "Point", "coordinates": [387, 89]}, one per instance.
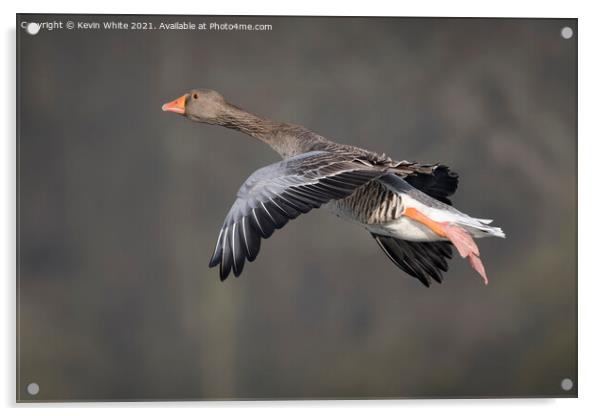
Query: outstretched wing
{"type": "Point", "coordinates": [440, 184]}
{"type": "Point", "coordinates": [280, 192]}
{"type": "Point", "coordinates": [437, 181]}
{"type": "Point", "coordinates": [422, 260]}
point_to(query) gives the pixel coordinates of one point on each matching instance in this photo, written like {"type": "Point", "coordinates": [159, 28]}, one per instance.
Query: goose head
{"type": "Point", "coordinates": [205, 106]}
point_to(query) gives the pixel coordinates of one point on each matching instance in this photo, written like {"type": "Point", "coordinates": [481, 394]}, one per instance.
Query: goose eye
{"type": "Point", "coordinates": [195, 96]}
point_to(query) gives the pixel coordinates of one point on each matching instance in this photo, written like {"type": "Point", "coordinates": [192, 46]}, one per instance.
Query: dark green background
{"type": "Point", "coordinates": [120, 205]}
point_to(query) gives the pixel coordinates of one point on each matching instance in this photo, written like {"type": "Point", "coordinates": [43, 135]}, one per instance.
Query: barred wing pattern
{"type": "Point", "coordinates": [280, 192]}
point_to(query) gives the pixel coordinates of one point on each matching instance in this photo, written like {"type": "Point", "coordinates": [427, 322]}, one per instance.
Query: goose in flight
{"type": "Point", "coordinates": [404, 205]}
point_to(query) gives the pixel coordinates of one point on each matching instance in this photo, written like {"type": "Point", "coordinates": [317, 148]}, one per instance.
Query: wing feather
{"type": "Point", "coordinates": [422, 260]}
{"type": "Point", "coordinates": [280, 192]}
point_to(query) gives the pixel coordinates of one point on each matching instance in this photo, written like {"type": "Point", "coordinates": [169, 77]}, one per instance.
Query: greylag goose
{"type": "Point", "coordinates": [404, 205]}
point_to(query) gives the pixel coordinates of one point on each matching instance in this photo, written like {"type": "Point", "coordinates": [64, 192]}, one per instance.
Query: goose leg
{"type": "Point", "coordinates": [458, 236]}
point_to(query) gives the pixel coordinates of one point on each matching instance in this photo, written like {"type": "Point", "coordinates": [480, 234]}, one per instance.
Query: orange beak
{"type": "Point", "coordinates": [176, 106]}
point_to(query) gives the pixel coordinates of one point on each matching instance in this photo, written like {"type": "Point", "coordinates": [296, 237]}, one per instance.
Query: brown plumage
{"type": "Point", "coordinates": [365, 187]}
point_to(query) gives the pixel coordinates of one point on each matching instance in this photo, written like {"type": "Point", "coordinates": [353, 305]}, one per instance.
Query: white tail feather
{"type": "Point", "coordinates": [482, 230]}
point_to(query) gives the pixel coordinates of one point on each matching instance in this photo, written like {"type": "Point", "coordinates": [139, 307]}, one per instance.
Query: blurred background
{"type": "Point", "coordinates": [120, 205]}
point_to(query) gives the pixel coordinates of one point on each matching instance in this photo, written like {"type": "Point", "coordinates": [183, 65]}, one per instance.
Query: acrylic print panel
{"type": "Point", "coordinates": [135, 134]}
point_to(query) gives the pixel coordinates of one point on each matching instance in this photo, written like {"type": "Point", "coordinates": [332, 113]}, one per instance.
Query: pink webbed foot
{"type": "Point", "coordinates": [466, 246]}
{"type": "Point", "coordinates": [458, 236]}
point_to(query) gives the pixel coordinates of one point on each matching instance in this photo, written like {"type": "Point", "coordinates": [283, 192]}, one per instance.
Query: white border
{"type": "Point", "coordinates": [590, 153]}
